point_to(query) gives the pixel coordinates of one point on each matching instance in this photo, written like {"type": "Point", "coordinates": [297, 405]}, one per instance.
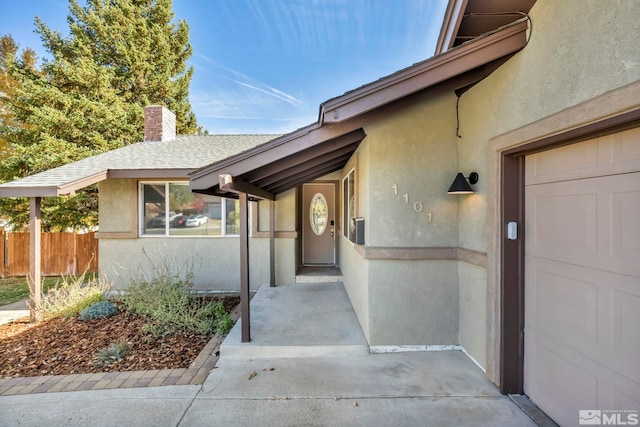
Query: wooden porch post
{"type": "Point", "coordinates": [272, 243]}
{"type": "Point", "coordinates": [35, 287]}
{"type": "Point", "coordinates": [244, 268]}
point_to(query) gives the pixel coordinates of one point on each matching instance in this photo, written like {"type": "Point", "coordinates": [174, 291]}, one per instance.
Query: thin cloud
{"type": "Point", "coordinates": [272, 92]}
{"type": "Point", "coordinates": [252, 83]}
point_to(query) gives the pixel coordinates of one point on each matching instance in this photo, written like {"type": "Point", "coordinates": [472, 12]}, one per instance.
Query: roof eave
{"type": "Point", "coordinates": [68, 188]}
{"type": "Point", "coordinates": [480, 51]}
{"type": "Point", "coordinates": [450, 25]}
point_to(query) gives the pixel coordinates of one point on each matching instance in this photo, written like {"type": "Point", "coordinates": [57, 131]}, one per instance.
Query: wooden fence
{"type": "Point", "coordinates": [62, 253]}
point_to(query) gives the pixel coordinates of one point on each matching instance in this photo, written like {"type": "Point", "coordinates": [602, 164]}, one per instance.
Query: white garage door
{"type": "Point", "coordinates": [582, 277]}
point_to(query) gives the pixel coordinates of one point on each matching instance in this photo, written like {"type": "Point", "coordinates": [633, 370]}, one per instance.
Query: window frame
{"type": "Point", "coordinates": [166, 234]}
{"type": "Point", "coordinates": [347, 193]}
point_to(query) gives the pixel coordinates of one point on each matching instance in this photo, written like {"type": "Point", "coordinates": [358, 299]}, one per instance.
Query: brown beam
{"type": "Point", "coordinates": [272, 243]}
{"type": "Point", "coordinates": [35, 285]}
{"type": "Point", "coordinates": [331, 146]}
{"type": "Point", "coordinates": [244, 268]}
{"type": "Point", "coordinates": [234, 185]}
{"type": "Point", "coordinates": [338, 156]}
{"type": "Point", "coordinates": [302, 178]}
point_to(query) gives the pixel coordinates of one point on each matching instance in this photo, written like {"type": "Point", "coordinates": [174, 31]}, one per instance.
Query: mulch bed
{"type": "Point", "coordinates": [68, 346]}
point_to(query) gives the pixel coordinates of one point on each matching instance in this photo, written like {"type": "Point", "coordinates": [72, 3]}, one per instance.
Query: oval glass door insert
{"type": "Point", "coordinates": [319, 214]}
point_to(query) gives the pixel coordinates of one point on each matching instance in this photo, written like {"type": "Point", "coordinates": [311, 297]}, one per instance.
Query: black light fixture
{"type": "Point", "coordinates": [460, 184]}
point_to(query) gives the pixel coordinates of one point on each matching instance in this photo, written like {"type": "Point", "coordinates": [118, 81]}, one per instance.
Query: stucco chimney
{"type": "Point", "coordinates": [159, 123]}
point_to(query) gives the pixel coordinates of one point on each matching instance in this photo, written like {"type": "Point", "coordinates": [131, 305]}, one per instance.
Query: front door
{"type": "Point", "coordinates": [318, 221]}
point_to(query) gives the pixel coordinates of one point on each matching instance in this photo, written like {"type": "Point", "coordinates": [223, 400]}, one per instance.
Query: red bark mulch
{"type": "Point", "coordinates": [69, 346]}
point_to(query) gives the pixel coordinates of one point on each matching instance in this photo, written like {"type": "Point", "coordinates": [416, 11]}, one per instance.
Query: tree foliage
{"type": "Point", "coordinates": [9, 85]}
{"type": "Point", "coordinates": [88, 98]}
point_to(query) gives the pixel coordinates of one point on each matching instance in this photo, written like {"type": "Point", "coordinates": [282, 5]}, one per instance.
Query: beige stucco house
{"type": "Point", "coordinates": [535, 274]}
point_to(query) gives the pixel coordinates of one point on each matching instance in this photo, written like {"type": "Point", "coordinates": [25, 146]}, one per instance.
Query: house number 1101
{"type": "Point", "coordinates": [417, 206]}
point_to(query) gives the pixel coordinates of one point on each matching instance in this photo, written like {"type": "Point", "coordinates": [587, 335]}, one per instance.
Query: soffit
{"type": "Point", "coordinates": [466, 20]}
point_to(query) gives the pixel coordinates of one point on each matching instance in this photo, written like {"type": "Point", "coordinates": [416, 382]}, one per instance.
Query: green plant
{"type": "Point", "coordinates": [113, 353]}
{"type": "Point", "coordinates": [163, 295]}
{"type": "Point", "coordinates": [97, 310]}
{"type": "Point", "coordinates": [224, 323]}
{"type": "Point", "coordinates": [70, 296]}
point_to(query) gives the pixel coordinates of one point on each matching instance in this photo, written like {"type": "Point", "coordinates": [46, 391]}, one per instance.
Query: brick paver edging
{"type": "Point", "coordinates": [196, 373]}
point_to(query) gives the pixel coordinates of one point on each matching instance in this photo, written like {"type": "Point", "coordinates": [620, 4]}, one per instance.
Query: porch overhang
{"type": "Point", "coordinates": [279, 167]}
{"type": "Point", "coordinates": [326, 146]}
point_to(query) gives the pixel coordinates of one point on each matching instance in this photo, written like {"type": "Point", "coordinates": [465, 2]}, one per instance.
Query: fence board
{"type": "Point", "coordinates": [17, 254]}
{"type": "Point", "coordinates": [86, 252]}
{"type": "Point", "coordinates": [62, 253]}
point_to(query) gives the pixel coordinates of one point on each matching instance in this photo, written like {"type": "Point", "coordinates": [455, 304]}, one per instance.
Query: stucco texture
{"type": "Point", "coordinates": [578, 50]}
{"type": "Point", "coordinates": [215, 259]}
{"type": "Point", "coordinates": [415, 151]}
{"type": "Point", "coordinates": [412, 152]}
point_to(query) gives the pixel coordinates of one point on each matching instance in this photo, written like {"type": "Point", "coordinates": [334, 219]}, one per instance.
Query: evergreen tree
{"type": "Point", "coordinates": [9, 85]}
{"type": "Point", "coordinates": [89, 98]}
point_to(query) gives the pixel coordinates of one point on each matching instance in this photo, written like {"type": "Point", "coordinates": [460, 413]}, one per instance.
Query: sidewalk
{"type": "Point", "coordinates": [400, 389]}
{"type": "Point", "coordinates": [16, 310]}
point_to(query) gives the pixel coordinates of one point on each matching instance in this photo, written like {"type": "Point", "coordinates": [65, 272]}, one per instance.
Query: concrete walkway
{"type": "Point", "coordinates": [11, 312]}
{"type": "Point", "coordinates": [400, 389]}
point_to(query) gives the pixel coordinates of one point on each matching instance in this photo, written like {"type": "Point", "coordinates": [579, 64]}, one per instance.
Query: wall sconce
{"type": "Point", "coordinates": [460, 184]}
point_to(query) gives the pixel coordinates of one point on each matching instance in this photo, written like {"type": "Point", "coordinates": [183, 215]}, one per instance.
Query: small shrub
{"type": "Point", "coordinates": [164, 297]}
{"type": "Point", "coordinates": [224, 323]}
{"type": "Point", "coordinates": [70, 296]}
{"type": "Point", "coordinates": [98, 310]}
{"type": "Point", "coordinates": [113, 353]}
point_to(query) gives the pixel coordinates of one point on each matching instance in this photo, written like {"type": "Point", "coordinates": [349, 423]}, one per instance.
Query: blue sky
{"type": "Point", "coordinates": [264, 66]}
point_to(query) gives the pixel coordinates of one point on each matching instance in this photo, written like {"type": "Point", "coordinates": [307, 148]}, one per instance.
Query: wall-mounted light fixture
{"type": "Point", "coordinates": [460, 184]}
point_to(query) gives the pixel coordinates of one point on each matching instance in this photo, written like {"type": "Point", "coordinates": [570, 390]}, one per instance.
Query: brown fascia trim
{"type": "Point", "coordinates": [450, 25]}
{"type": "Point", "coordinates": [72, 186]}
{"type": "Point", "coordinates": [423, 253]}
{"type": "Point", "coordinates": [485, 49]}
{"type": "Point", "coordinates": [52, 191]}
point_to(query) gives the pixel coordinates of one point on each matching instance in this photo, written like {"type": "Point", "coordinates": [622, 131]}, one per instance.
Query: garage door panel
{"type": "Point", "coordinates": [623, 149]}
{"type": "Point", "coordinates": [563, 302]}
{"type": "Point", "coordinates": [564, 308]}
{"type": "Point", "coordinates": [596, 313]}
{"type": "Point", "coordinates": [625, 210]}
{"type": "Point", "coordinates": [562, 381]}
{"type": "Point", "coordinates": [591, 222]}
{"type": "Point", "coordinates": [562, 222]}
{"type": "Point", "coordinates": [610, 154]}
{"type": "Point", "coordinates": [564, 163]}
{"type": "Point", "coordinates": [624, 396]}
{"type": "Point", "coordinates": [555, 382]}
{"type": "Point", "coordinates": [582, 276]}
{"type": "Point", "coordinates": [625, 335]}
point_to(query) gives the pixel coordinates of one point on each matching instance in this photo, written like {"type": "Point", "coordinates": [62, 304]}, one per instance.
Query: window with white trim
{"type": "Point", "coordinates": [349, 206]}
{"type": "Point", "coordinates": [169, 208]}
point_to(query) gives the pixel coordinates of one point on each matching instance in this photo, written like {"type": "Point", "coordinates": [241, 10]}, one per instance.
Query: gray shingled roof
{"type": "Point", "coordinates": [182, 154]}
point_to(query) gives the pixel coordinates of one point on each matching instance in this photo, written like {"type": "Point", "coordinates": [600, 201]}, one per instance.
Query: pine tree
{"type": "Point", "coordinates": [89, 98]}
{"type": "Point", "coordinates": [9, 85]}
